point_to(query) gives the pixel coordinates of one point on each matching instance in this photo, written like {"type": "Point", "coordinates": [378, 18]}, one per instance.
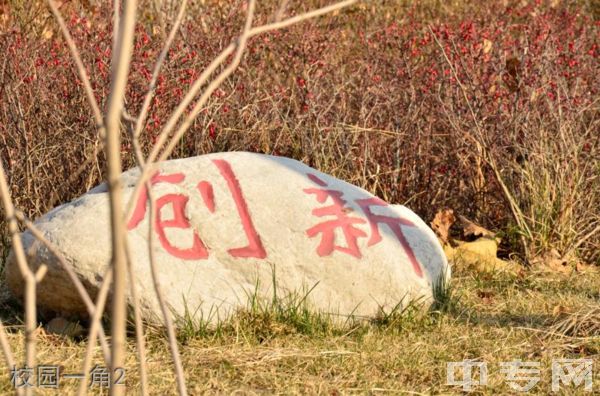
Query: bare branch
{"type": "Point", "coordinates": [141, 120]}
{"type": "Point", "coordinates": [300, 18]}
{"type": "Point", "coordinates": [89, 304]}
{"type": "Point", "coordinates": [89, 92]}
{"type": "Point", "coordinates": [240, 47]}
{"type": "Point", "coordinates": [179, 374]}
{"type": "Point", "coordinates": [96, 327]}
{"type": "Point", "coordinates": [122, 52]}
{"type": "Point", "coordinates": [202, 79]}
{"type": "Point", "coordinates": [26, 273]}
{"type": "Point", "coordinates": [139, 325]}
{"type": "Point", "coordinates": [116, 17]}
{"type": "Point", "coordinates": [8, 356]}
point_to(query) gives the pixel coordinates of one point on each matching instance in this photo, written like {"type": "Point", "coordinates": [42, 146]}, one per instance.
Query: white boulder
{"type": "Point", "coordinates": [227, 224]}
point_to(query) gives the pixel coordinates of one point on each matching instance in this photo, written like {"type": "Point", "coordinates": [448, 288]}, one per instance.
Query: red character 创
{"type": "Point", "coordinates": [347, 224]}
{"type": "Point", "coordinates": [255, 247]}
{"type": "Point", "coordinates": [179, 202]}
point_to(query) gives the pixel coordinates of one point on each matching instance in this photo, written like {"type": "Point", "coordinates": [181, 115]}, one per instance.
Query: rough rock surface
{"type": "Point", "coordinates": [227, 224]}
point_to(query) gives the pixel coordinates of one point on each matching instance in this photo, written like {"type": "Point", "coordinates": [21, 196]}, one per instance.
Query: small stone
{"type": "Point", "coordinates": [65, 328]}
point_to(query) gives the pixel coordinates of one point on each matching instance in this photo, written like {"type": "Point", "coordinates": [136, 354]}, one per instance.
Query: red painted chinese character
{"type": "Point", "coordinates": [341, 220]}
{"type": "Point", "coordinates": [254, 247]}
{"type": "Point", "coordinates": [140, 206]}
{"type": "Point", "coordinates": [179, 220]}
{"type": "Point", "coordinates": [207, 194]}
{"type": "Point", "coordinates": [394, 223]}
{"type": "Point", "coordinates": [178, 202]}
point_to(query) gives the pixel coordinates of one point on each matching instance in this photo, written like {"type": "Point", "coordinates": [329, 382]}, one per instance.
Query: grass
{"type": "Point", "coordinates": [283, 347]}
{"type": "Point", "coordinates": [393, 121]}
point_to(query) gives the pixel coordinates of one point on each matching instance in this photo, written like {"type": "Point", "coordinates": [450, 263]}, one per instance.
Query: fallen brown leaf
{"type": "Point", "coordinates": [559, 310]}
{"type": "Point", "coordinates": [487, 46]}
{"type": "Point", "coordinates": [487, 296]}
{"type": "Point", "coordinates": [553, 261]}
{"type": "Point", "coordinates": [441, 224]}
{"type": "Point", "coordinates": [471, 229]}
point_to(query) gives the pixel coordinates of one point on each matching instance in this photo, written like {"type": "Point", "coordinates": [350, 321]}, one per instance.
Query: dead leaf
{"type": "Point", "coordinates": [553, 261]}
{"type": "Point", "coordinates": [441, 224]}
{"type": "Point", "coordinates": [513, 67]}
{"type": "Point", "coordinates": [487, 296]}
{"type": "Point", "coordinates": [471, 229]}
{"type": "Point", "coordinates": [47, 33]}
{"type": "Point", "coordinates": [487, 46]}
{"type": "Point", "coordinates": [513, 70]}
{"type": "Point", "coordinates": [585, 268]}
{"type": "Point", "coordinates": [479, 255]}
{"type": "Point", "coordinates": [559, 310]}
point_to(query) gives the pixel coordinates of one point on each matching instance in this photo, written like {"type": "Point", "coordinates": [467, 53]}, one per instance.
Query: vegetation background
{"type": "Point", "coordinates": [490, 108]}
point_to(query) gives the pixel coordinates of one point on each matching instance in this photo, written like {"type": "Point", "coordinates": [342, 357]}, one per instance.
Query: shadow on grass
{"type": "Point", "coordinates": [11, 309]}
{"type": "Point", "coordinates": [504, 300]}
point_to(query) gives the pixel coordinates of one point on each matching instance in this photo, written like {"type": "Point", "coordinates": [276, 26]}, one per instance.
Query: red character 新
{"type": "Point", "coordinates": [394, 223]}
{"type": "Point", "coordinates": [341, 220]}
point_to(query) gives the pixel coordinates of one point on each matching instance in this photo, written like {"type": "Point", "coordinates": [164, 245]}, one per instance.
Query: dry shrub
{"type": "Point", "coordinates": [369, 96]}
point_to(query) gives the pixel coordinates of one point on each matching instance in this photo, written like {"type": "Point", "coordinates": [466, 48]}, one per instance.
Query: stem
{"type": "Point", "coordinates": [122, 51]}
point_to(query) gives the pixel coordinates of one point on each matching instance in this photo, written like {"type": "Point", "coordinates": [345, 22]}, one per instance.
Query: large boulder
{"type": "Point", "coordinates": [229, 226]}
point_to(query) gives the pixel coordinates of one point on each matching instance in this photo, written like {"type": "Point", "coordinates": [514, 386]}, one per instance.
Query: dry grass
{"type": "Point", "coordinates": [582, 323]}
{"type": "Point", "coordinates": [497, 118]}
{"type": "Point", "coordinates": [506, 95]}
{"type": "Point", "coordinates": [493, 317]}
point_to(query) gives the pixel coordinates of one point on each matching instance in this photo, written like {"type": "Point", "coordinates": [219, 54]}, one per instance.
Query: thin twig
{"type": "Point", "coordinates": [141, 120]}
{"type": "Point", "coordinates": [179, 374]}
{"type": "Point", "coordinates": [26, 273]}
{"type": "Point", "coordinates": [89, 304]}
{"type": "Point", "coordinates": [121, 61]}
{"type": "Point", "coordinates": [202, 79]}
{"type": "Point", "coordinates": [83, 76]}
{"type": "Point", "coordinates": [139, 325]}
{"type": "Point", "coordinates": [95, 328]}
{"type": "Point", "coordinates": [8, 356]}
{"type": "Point", "coordinates": [73, 177]}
